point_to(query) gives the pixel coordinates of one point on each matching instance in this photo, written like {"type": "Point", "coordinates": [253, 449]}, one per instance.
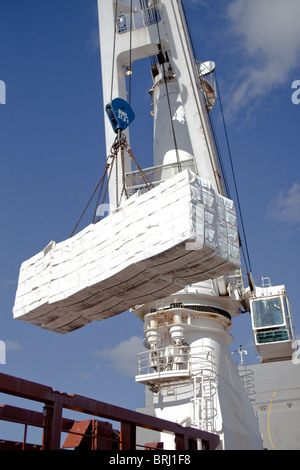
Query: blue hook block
{"type": "Point", "coordinates": [120, 114]}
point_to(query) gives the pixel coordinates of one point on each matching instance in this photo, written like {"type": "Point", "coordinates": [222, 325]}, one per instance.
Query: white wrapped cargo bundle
{"type": "Point", "coordinates": [178, 233]}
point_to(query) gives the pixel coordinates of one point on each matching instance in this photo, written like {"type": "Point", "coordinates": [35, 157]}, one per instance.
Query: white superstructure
{"type": "Point", "coordinates": [187, 363]}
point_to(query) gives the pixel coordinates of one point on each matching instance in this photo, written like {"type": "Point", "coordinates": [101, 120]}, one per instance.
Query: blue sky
{"type": "Point", "coordinates": [53, 153]}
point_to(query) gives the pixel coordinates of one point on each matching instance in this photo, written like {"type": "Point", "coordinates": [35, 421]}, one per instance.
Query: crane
{"type": "Point", "coordinates": [186, 365]}
{"type": "Point", "coordinates": [170, 248]}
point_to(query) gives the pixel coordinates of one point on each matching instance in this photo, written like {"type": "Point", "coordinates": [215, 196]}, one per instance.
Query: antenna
{"type": "Point", "coordinates": [241, 352]}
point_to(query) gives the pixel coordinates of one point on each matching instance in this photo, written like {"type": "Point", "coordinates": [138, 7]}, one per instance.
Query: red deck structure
{"type": "Point", "coordinates": [91, 434]}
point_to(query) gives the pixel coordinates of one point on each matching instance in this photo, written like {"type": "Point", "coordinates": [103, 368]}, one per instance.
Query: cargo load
{"type": "Point", "coordinates": [178, 233]}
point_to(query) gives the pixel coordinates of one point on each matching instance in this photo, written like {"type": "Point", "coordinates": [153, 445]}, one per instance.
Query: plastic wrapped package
{"type": "Point", "coordinates": [178, 233]}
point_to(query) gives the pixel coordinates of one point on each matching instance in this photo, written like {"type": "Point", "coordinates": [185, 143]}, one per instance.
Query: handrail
{"type": "Point", "coordinates": [55, 402]}
{"type": "Point", "coordinates": [178, 358]}
{"type": "Point", "coordinates": [137, 19]}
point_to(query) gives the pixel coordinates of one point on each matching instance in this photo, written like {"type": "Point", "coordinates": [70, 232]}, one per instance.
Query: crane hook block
{"type": "Point", "coordinates": [120, 114]}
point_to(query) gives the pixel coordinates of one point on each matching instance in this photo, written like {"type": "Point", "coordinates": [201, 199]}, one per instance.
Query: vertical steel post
{"type": "Point", "coordinates": [127, 435]}
{"type": "Point", "coordinates": [52, 425]}
{"type": "Point", "coordinates": [181, 441]}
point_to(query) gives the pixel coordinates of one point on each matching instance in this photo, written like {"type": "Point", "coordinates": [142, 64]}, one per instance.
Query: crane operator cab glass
{"type": "Point", "coordinates": [272, 326]}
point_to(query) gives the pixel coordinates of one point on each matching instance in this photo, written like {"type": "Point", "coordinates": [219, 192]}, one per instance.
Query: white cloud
{"type": "Point", "coordinates": [267, 47]}
{"type": "Point", "coordinates": [285, 207]}
{"type": "Point", "coordinates": [9, 283]}
{"type": "Point", "coordinates": [13, 346]}
{"type": "Point", "coordinates": [85, 375]}
{"type": "Point", "coordinates": [123, 356]}
{"type": "Point", "coordinates": [93, 43]}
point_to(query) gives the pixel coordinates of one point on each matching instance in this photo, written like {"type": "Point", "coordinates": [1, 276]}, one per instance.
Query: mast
{"type": "Point", "coordinates": [186, 367]}
{"type": "Point", "coordinates": [181, 127]}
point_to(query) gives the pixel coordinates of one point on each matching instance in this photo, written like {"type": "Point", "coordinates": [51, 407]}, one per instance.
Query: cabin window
{"type": "Point", "coordinates": [267, 312]}
{"type": "Point", "coordinates": [272, 336]}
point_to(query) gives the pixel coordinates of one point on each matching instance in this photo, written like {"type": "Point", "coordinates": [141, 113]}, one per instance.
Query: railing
{"type": "Point", "coordinates": [137, 19]}
{"type": "Point", "coordinates": [151, 16]}
{"type": "Point", "coordinates": [155, 174]}
{"type": "Point", "coordinates": [208, 87]}
{"type": "Point", "coordinates": [182, 364]}
{"type": "Point", "coordinates": [176, 358]}
{"type": "Point", "coordinates": [52, 422]}
{"type": "Point", "coordinates": [208, 76]}
{"type": "Point", "coordinates": [204, 406]}
{"type": "Point", "coordinates": [247, 378]}
{"type": "Point", "coordinates": [157, 361]}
